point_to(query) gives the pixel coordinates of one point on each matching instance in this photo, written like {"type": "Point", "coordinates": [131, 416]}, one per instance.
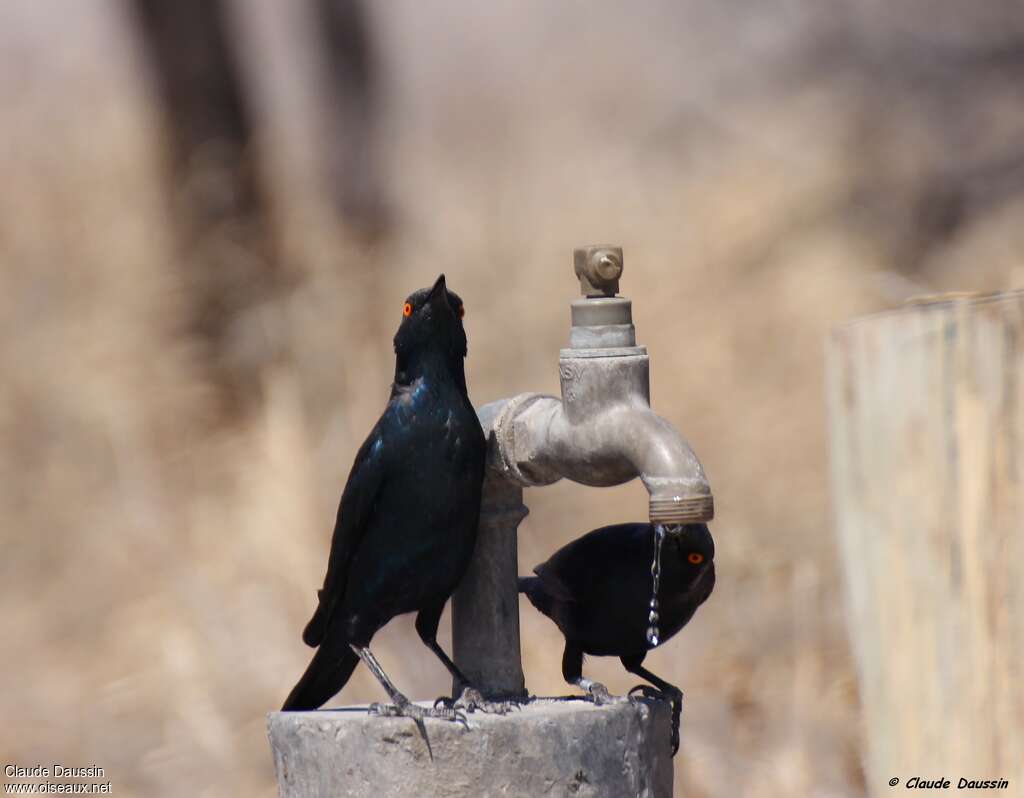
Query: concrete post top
{"type": "Point", "coordinates": [548, 747]}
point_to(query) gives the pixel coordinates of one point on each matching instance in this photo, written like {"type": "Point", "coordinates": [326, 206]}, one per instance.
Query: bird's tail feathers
{"type": "Point", "coordinates": [327, 673]}
{"type": "Point", "coordinates": [535, 592]}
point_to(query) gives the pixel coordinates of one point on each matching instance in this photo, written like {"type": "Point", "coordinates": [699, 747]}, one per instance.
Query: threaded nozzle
{"type": "Point", "coordinates": [682, 509]}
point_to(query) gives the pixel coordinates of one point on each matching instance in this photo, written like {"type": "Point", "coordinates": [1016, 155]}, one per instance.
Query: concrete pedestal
{"type": "Point", "coordinates": [548, 748]}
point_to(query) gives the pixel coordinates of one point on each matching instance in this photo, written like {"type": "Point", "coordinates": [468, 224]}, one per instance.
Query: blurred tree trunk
{"type": "Point", "coordinates": [220, 208]}
{"type": "Point", "coordinates": [354, 172]}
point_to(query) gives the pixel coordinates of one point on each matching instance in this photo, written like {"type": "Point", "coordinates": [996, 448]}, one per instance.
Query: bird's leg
{"type": "Point", "coordinates": [665, 690]}
{"type": "Point", "coordinates": [468, 698]}
{"type": "Point", "coordinates": [572, 670]}
{"type": "Point", "coordinates": [401, 706]}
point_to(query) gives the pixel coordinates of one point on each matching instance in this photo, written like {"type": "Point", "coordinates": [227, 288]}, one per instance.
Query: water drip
{"type": "Point", "coordinates": [653, 634]}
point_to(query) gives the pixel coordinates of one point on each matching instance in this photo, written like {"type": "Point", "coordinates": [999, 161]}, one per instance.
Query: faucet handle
{"type": "Point", "coordinates": [599, 269]}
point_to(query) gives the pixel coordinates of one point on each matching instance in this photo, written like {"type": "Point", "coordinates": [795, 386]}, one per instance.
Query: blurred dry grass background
{"type": "Point", "coordinates": [770, 168]}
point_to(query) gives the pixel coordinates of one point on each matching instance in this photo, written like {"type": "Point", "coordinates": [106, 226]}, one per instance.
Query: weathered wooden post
{"type": "Point", "coordinates": [927, 436]}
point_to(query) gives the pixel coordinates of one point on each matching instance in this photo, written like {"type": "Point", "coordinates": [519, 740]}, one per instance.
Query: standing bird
{"type": "Point", "coordinates": [408, 517]}
{"type": "Point", "coordinates": [598, 590]}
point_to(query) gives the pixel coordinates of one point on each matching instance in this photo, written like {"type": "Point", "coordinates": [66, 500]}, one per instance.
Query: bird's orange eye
{"type": "Point", "coordinates": [695, 558]}
{"type": "Point", "coordinates": [462, 311]}
{"type": "Point", "coordinates": [407, 310]}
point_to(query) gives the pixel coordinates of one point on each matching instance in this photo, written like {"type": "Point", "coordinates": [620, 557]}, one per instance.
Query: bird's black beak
{"type": "Point", "coordinates": [438, 295]}
{"type": "Point", "coordinates": [439, 289]}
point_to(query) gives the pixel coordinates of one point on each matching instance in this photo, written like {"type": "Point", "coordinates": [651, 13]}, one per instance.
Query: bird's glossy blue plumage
{"type": "Point", "coordinates": [407, 520]}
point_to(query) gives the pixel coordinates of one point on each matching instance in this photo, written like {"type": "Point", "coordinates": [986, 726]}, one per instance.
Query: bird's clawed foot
{"type": "Point", "coordinates": [649, 692]}
{"type": "Point", "coordinates": [599, 693]}
{"type": "Point", "coordinates": [471, 700]}
{"type": "Point", "coordinates": [676, 701]}
{"type": "Point", "coordinates": [407, 709]}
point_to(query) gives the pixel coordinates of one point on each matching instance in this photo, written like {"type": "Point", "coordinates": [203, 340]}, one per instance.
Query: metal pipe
{"type": "Point", "coordinates": [485, 611]}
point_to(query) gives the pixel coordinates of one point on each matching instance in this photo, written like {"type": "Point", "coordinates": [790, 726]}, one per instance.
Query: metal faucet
{"type": "Point", "coordinates": [601, 432]}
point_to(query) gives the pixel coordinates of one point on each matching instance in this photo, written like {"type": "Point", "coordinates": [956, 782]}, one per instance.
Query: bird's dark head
{"type": "Point", "coordinates": [431, 332]}
{"type": "Point", "coordinates": [695, 548]}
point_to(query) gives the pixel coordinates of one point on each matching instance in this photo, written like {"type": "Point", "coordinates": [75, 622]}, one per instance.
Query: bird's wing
{"type": "Point", "coordinates": [354, 511]}
{"type": "Point", "coordinates": [579, 571]}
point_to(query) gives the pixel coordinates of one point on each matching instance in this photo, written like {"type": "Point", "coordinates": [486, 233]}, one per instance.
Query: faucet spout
{"type": "Point", "coordinates": [674, 477]}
